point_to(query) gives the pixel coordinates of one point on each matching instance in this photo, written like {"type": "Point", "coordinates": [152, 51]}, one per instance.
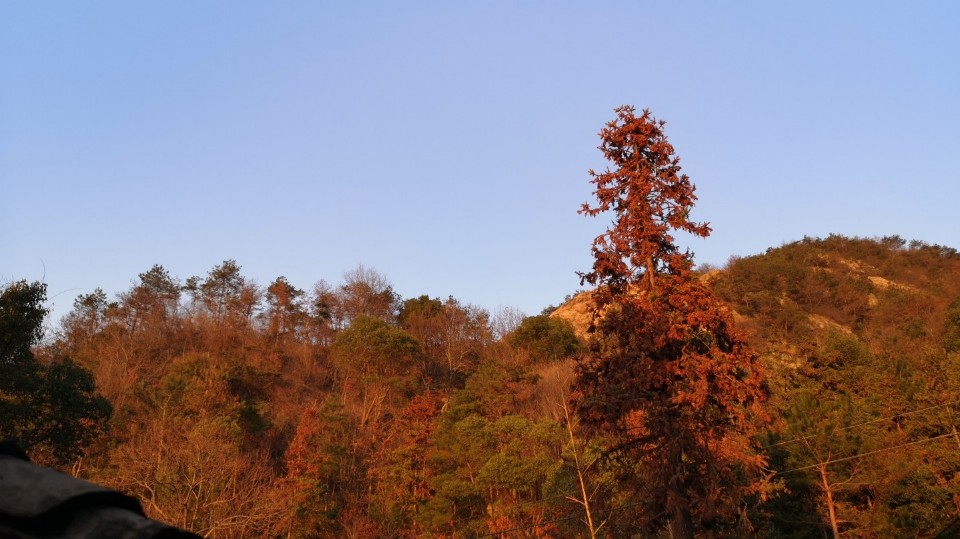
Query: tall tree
{"type": "Point", "coordinates": [667, 373]}
{"type": "Point", "coordinates": [154, 301]}
{"type": "Point", "coordinates": [285, 308]}
{"type": "Point", "coordinates": [87, 317]}
{"type": "Point", "coordinates": [319, 467]}
{"type": "Point", "coordinates": [225, 293]}
{"type": "Point", "coordinates": [365, 292]}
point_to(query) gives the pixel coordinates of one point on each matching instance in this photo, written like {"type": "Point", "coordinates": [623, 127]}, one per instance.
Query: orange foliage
{"type": "Point", "coordinates": [667, 372]}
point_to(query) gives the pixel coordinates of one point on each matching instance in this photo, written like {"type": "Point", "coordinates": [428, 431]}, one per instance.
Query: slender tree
{"type": "Point", "coordinates": [667, 374]}
{"type": "Point", "coordinates": [153, 302]}
{"type": "Point", "coordinates": [284, 309]}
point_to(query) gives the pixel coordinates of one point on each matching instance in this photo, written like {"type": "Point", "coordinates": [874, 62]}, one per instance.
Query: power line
{"type": "Point", "coordinates": [855, 425]}
{"type": "Point", "coordinates": [868, 453]}
{"type": "Point", "coordinates": [802, 468]}
{"type": "Point", "coordinates": [570, 516]}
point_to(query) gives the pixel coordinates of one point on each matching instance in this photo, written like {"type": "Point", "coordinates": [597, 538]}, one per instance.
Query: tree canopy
{"type": "Point", "coordinates": [297, 413]}
{"type": "Point", "coordinates": [52, 409]}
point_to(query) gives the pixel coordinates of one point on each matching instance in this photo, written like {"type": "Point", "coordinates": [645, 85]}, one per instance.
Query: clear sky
{"type": "Point", "coordinates": [446, 144]}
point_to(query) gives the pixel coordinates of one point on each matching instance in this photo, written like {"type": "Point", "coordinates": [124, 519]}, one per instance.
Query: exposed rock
{"type": "Point", "coordinates": [579, 312]}
{"type": "Point", "coordinates": [884, 284]}
{"type": "Point", "coordinates": [38, 502]}
{"type": "Point", "coordinates": [822, 322]}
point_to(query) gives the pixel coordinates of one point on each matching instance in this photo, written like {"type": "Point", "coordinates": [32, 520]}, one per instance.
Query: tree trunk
{"type": "Point", "coordinates": [681, 523]}
{"type": "Point", "coordinates": [831, 508]}
{"type": "Point", "coordinates": [585, 498]}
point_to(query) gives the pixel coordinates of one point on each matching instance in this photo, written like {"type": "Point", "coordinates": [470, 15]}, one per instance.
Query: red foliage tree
{"type": "Point", "coordinates": [667, 374]}
{"type": "Point", "coordinates": [402, 472]}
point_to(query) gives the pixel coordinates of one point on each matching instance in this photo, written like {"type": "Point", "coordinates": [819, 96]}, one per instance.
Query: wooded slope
{"type": "Point", "coordinates": [241, 410]}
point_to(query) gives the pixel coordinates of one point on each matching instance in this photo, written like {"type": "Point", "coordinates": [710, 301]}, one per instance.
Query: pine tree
{"type": "Point", "coordinates": [667, 374]}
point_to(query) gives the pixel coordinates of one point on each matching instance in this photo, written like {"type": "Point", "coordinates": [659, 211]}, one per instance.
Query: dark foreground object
{"type": "Point", "coordinates": [38, 502]}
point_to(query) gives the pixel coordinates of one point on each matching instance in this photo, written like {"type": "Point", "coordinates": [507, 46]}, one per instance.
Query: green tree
{"type": "Point", "coordinates": [285, 313]}
{"type": "Point", "coordinates": [154, 302]}
{"type": "Point", "coordinates": [21, 322]}
{"type": "Point", "coordinates": [376, 366]}
{"type": "Point", "coordinates": [87, 317]}
{"type": "Point", "coordinates": [401, 471]}
{"type": "Point", "coordinates": [545, 338]}
{"type": "Point", "coordinates": [186, 450]}
{"type": "Point", "coordinates": [453, 335]}
{"type": "Point", "coordinates": [225, 294]}
{"type": "Point", "coordinates": [319, 470]}
{"type": "Point", "coordinates": [489, 476]}
{"type": "Point", "coordinates": [52, 410]}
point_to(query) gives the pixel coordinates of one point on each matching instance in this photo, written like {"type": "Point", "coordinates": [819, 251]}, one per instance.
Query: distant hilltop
{"type": "Point", "coordinates": [793, 294]}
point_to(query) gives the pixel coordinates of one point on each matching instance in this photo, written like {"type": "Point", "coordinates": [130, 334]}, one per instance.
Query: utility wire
{"type": "Point", "coordinates": [570, 516]}
{"type": "Point", "coordinates": [844, 459]}
{"type": "Point", "coordinates": [855, 425]}
{"type": "Point", "coordinates": [802, 468]}
{"type": "Point", "coordinates": [868, 453]}
{"type": "Point", "coordinates": [543, 501]}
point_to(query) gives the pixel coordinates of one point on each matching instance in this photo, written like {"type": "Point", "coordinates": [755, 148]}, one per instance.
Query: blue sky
{"type": "Point", "coordinates": [446, 144]}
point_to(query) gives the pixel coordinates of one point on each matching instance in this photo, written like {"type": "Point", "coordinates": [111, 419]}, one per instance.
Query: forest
{"type": "Point", "coordinates": [809, 391]}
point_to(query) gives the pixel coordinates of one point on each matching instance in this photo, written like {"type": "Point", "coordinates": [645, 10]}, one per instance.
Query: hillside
{"type": "Point", "coordinates": [859, 338]}
{"type": "Point", "coordinates": [889, 293]}
{"type": "Point", "coordinates": [348, 411]}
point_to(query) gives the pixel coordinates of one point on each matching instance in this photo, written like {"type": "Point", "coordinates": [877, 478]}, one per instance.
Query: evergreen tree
{"type": "Point", "coordinates": [667, 373]}
{"type": "Point", "coordinates": [52, 410]}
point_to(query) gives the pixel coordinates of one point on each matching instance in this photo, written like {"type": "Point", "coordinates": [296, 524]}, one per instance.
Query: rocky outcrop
{"type": "Point", "coordinates": [38, 502]}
